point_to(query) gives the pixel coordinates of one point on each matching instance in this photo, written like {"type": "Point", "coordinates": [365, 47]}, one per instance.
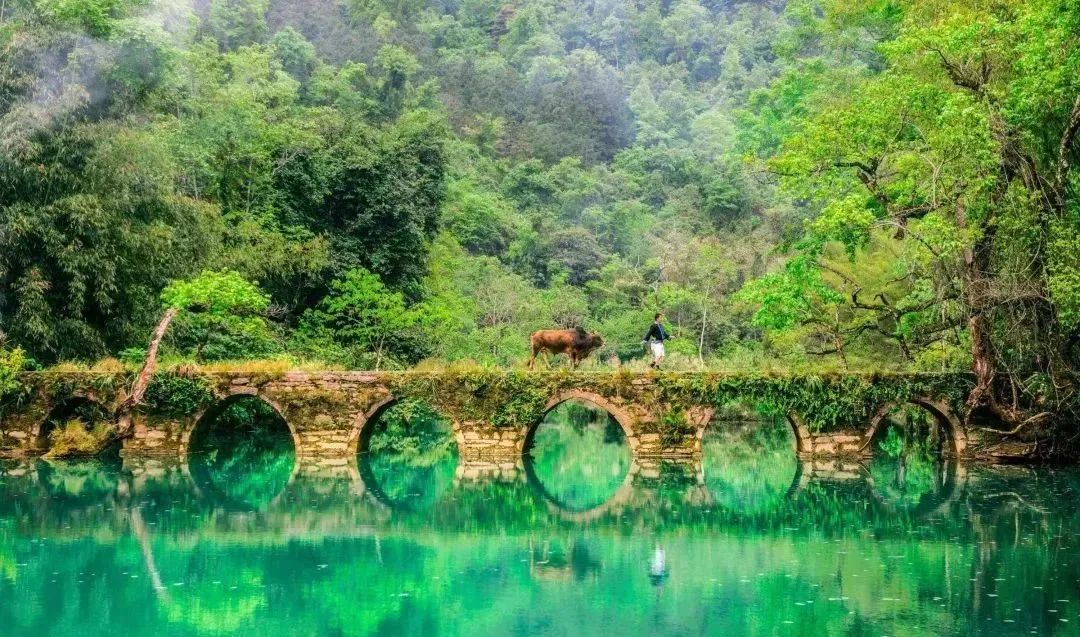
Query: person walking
{"type": "Point", "coordinates": [655, 339]}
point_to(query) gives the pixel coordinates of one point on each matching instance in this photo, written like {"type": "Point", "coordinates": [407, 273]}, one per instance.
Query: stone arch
{"type": "Point", "coordinates": [361, 429]}
{"type": "Point", "coordinates": [955, 436]}
{"type": "Point", "coordinates": [222, 403]}
{"type": "Point", "coordinates": [366, 484]}
{"type": "Point", "coordinates": [360, 433]}
{"type": "Point", "coordinates": [799, 430]}
{"type": "Point", "coordinates": [626, 420]}
{"type": "Point", "coordinates": [803, 440]}
{"type": "Point", "coordinates": [64, 408]}
{"type": "Point", "coordinates": [729, 495]}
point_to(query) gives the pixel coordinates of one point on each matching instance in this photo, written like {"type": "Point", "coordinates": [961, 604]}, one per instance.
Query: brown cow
{"type": "Point", "coordinates": [575, 343]}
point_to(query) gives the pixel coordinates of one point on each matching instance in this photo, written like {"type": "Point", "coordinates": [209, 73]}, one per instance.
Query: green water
{"type": "Point", "coordinates": [577, 541]}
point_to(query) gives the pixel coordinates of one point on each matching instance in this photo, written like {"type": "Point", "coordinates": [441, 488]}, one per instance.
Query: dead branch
{"type": "Point", "coordinates": [142, 381]}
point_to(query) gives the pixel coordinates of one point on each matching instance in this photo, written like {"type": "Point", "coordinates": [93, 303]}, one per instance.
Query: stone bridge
{"type": "Point", "coordinates": [494, 412]}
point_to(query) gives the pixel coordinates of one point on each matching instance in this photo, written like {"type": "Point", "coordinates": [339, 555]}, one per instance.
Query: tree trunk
{"type": "Point", "coordinates": [701, 338]}
{"type": "Point", "coordinates": [142, 381]}
{"type": "Point", "coordinates": [838, 340]}
{"type": "Point", "coordinates": [976, 266]}
{"type": "Point", "coordinates": [981, 361]}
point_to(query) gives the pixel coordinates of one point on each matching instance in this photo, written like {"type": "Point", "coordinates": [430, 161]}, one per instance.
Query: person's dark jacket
{"type": "Point", "coordinates": [657, 333]}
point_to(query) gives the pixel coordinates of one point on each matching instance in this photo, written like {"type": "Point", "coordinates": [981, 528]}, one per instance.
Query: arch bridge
{"type": "Point", "coordinates": [496, 412]}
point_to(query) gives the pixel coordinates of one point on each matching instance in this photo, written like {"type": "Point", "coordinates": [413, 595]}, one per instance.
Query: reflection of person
{"type": "Point", "coordinates": [658, 567]}
{"type": "Point", "coordinates": [655, 338]}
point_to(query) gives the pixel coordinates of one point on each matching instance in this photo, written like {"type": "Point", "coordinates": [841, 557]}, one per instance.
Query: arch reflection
{"type": "Point", "coordinates": [908, 431]}
{"type": "Point", "coordinates": [241, 454]}
{"type": "Point", "coordinates": [408, 456]}
{"type": "Point", "coordinates": [919, 485]}
{"type": "Point", "coordinates": [749, 466]}
{"type": "Point", "coordinates": [578, 457]}
{"type": "Point", "coordinates": [908, 470]}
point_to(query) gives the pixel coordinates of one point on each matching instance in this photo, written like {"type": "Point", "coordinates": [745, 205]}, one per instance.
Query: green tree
{"type": "Point", "coordinates": [361, 316]}
{"type": "Point", "coordinates": [384, 206]}
{"type": "Point", "coordinates": [961, 143]}
{"type": "Point", "coordinates": [72, 232]}
{"type": "Point", "coordinates": [12, 363]}
{"type": "Point", "coordinates": [221, 317]}
{"type": "Point", "coordinates": [236, 23]}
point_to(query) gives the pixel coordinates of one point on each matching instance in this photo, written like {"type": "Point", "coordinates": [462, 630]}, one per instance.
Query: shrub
{"type": "Point", "coordinates": [74, 439]}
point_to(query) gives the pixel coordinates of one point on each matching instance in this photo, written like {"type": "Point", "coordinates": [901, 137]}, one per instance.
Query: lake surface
{"type": "Point", "coordinates": [579, 540]}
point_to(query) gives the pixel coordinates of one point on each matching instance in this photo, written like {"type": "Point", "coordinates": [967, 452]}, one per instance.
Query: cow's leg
{"type": "Point", "coordinates": [535, 351]}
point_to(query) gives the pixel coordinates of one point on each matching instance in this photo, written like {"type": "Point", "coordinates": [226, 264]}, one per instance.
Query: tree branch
{"type": "Point", "coordinates": [1072, 129]}
{"type": "Point", "coordinates": [964, 77]}
{"type": "Point", "coordinates": [1015, 430]}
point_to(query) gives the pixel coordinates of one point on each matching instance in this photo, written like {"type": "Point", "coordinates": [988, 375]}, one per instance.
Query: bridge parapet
{"type": "Point", "coordinates": [496, 412]}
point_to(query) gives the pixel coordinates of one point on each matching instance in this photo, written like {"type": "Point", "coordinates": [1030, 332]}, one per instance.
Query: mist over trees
{"type": "Point", "coordinates": [805, 184]}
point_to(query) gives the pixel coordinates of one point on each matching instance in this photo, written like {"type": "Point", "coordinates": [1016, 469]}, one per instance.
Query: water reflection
{"type": "Point", "coordinates": [87, 481]}
{"type": "Point", "coordinates": [91, 549]}
{"type": "Point", "coordinates": [749, 466]}
{"type": "Point", "coordinates": [908, 470]}
{"type": "Point", "coordinates": [920, 484]}
{"type": "Point", "coordinates": [241, 454]}
{"type": "Point", "coordinates": [408, 457]}
{"type": "Point", "coordinates": [558, 560]}
{"type": "Point", "coordinates": [578, 457]}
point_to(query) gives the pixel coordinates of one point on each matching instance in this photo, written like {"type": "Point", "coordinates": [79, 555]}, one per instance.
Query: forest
{"type": "Point", "coordinates": [803, 185]}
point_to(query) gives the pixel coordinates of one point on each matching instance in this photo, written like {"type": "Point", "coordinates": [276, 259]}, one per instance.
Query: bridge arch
{"type": "Point", "coordinates": [363, 424]}
{"type": "Point", "coordinates": [955, 437]}
{"type": "Point", "coordinates": [223, 403]}
{"type": "Point", "coordinates": [84, 405]}
{"type": "Point", "coordinates": [799, 430]}
{"type": "Point", "coordinates": [362, 428]}
{"type": "Point", "coordinates": [803, 442]}
{"type": "Point", "coordinates": [626, 420]}
{"type": "Point", "coordinates": [751, 461]}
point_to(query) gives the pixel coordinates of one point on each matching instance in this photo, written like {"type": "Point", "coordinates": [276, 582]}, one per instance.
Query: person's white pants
{"type": "Point", "coordinates": [657, 349]}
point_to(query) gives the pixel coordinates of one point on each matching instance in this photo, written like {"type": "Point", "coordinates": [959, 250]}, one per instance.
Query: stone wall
{"type": "Point", "coordinates": [493, 414]}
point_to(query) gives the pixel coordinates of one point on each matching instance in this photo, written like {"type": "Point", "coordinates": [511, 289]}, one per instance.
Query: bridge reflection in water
{"type": "Point", "coordinates": [363, 551]}
{"type": "Point", "coordinates": [576, 536]}
{"type": "Point", "coordinates": [370, 495]}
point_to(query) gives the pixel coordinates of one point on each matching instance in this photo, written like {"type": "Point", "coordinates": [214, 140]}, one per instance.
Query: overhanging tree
{"type": "Point", "coordinates": [964, 144]}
